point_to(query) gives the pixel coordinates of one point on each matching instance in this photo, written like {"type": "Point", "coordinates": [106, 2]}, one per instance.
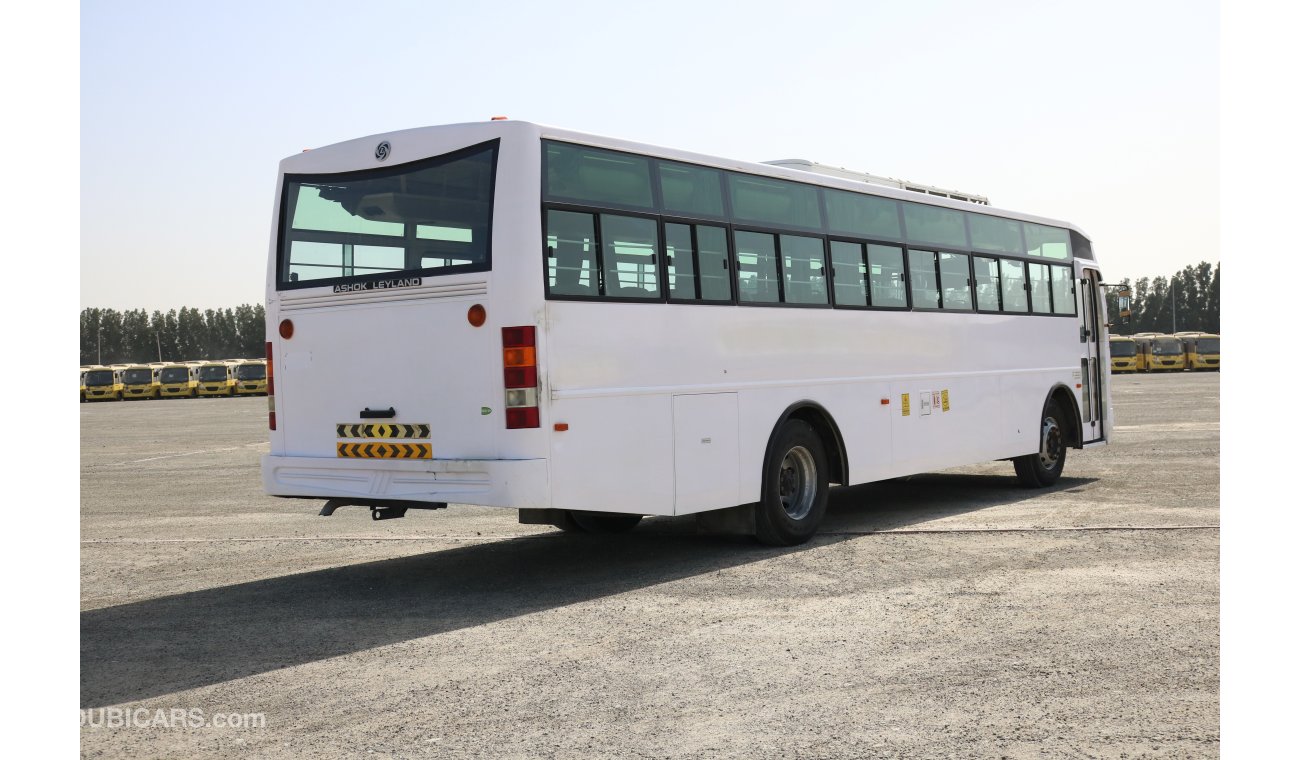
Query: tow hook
{"type": "Point", "coordinates": [381, 509]}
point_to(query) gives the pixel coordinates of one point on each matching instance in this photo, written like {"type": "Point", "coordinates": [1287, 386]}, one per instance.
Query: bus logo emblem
{"type": "Point", "coordinates": [381, 150]}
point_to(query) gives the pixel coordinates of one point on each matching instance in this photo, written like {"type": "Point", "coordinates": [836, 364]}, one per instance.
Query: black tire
{"type": "Point", "coordinates": [796, 485]}
{"type": "Point", "coordinates": [1043, 468]}
{"type": "Point", "coordinates": [603, 522]}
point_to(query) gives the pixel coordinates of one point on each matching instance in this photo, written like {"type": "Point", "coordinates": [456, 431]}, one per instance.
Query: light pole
{"type": "Point", "coordinates": [1175, 287]}
{"type": "Point", "coordinates": [99, 346]}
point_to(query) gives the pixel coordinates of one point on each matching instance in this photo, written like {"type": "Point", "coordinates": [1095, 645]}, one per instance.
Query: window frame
{"type": "Point", "coordinates": [936, 250]}
{"type": "Point", "coordinates": [731, 225]}
{"type": "Point", "coordinates": [693, 224]}
{"type": "Point", "coordinates": [863, 244]}
{"type": "Point", "coordinates": [283, 245]}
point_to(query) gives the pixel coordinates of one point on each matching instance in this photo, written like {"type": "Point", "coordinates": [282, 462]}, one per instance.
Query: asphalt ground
{"type": "Point", "coordinates": [951, 614]}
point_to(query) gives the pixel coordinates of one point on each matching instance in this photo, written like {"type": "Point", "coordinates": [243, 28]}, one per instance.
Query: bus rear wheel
{"type": "Point", "coordinates": [1043, 468]}
{"type": "Point", "coordinates": [604, 522]}
{"type": "Point", "coordinates": [795, 487]}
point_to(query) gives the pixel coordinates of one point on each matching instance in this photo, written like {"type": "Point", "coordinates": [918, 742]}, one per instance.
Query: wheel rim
{"type": "Point", "coordinates": [1050, 451]}
{"type": "Point", "coordinates": [798, 483]}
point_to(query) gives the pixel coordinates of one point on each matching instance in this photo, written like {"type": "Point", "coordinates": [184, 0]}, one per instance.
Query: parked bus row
{"type": "Point", "coordinates": [1158, 352]}
{"type": "Point", "coordinates": [188, 379]}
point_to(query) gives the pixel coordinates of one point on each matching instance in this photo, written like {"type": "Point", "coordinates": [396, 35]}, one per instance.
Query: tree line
{"type": "Point", "coordinates": [1188, 300]}
{"type": "Point", "coordinates": [137, 336]}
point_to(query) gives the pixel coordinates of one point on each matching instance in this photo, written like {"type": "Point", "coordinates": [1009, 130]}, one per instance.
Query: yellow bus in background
{"type": "Point", "coordinates": [103, 384]}
{"type": "Point", "coordinates": [1143, 341]}
{"type": "Point", "coordinates": [215, 378]}
{"type": "Point", "coordinates": [1123, 354]}
{"type": "Point", "coordinates": [138, 381]}
{"type": "Point", "coordinates": [1166, 354]}
{"type": "Point", "coordinates": [1201, 350]}
{"type": "Point", "coordinates": [250, 378]}
{"type": "Point", "coordinates": [176, 380]}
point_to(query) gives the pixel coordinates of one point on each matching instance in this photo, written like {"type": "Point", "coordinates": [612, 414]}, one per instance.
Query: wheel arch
{"type": "Point", "coordinates": [827, 430]}
{"type": "Point", "coordinates": [1065, 398]}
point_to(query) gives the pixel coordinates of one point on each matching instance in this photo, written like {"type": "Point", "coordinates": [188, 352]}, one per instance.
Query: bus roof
{"type": "Point", "coordinates": [341, 156]}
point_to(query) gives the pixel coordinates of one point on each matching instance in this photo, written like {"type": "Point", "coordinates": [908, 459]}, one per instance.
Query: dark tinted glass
{"type": "Point", "coordinates": [987, 284]}
{"type": "Point", "coordinates": [803, 265]}
{"type": "Point", "coordinates": [991, 233]}
{"type": "Point", "coordinates": [774, 202]}
{"type": "Point", "coordinates": [581, 174]}
{"type": "Point", "coordinates": [756, 278]}
{"type": "Point", "coordinates": [409, 219]}
{"type": "Point", "coordinates": [850, 270]}
{"type": "Point", "coordinates": [715, 277]}
{"type": "Point", "coordinates": [691, 190]}
{"type": "Point", "coordinates": [681, 261]}
{"type": "Point", "coordinates": [628, 246]}
{"type": "Point", "coordinates": [862, 215]}
{"type": "Point", "coordinates": [925, 283]}
{"type": "Point", "coordinates": [885, 263]}
{"type": "Point", "coordinates": [571, 254]}
{"type": "Point", "coordinates": [954, 278]}
{"type": "Point", "coordinates": [934, 225]}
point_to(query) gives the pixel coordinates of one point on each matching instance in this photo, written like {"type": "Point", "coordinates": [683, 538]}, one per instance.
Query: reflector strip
{"type": "Point", "coordinates": [380, 430]}
{"type": "Point", "coordinates": [385, 451]}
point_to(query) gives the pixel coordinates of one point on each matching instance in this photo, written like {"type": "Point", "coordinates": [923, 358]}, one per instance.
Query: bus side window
{"type": "Point", "coordinates": [805, 269]}
{"type": "Point", "coordinates": [886, 262]}
{"type": "Point", "coordinates": [925, 291]}
{"type": "Point", "coordinates": [571, 253]}
{"type": "Point", "coordinates": [715, 277]}
{"type": "Point", "coordinates": [850, 273]}
{"type": "Point", "coordinates": [756, 267]}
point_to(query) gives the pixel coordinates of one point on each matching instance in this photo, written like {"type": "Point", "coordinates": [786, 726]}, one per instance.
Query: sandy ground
{"type": "Point", "coordinates": [950, 615]}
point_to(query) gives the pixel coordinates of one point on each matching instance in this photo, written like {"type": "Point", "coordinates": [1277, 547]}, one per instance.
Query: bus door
{"type": "Point", "coordinates": [1090, 333]}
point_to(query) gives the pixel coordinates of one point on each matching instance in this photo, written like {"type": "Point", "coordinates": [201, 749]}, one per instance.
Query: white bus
{"type": "Point", "coordinates": [591, 330]}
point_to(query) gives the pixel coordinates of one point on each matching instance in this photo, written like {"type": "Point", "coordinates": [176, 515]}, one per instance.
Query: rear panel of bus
{"type": "Point", "coordinates": [388, 323]}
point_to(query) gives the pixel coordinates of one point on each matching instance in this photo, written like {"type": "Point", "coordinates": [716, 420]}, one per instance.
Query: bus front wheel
{"type": "Point", "coordinates": [795, 487]}
{"type": "Point", "coordinates": [1043, 468]}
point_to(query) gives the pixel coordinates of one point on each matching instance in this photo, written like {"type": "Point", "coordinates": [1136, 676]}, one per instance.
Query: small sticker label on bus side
{"type": "Point", "coordinates": [945, 399]}
{"type": "Point", "coordinates": [354, 287]}
{"type": "Point", "coordinates": [907, 405]}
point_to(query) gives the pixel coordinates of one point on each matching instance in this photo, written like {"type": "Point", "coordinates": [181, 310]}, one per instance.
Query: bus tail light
{"type": "Point", "coordinates": [519, 358]}
{"type": "Point", "coordinates": [270, 386]}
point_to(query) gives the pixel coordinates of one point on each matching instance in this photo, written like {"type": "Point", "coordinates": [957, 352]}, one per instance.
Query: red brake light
{"type": "Point", "coordinates": [519, 362]}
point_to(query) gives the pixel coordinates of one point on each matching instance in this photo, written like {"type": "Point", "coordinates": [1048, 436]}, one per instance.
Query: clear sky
{"type": "Point", "coordinates": [1102, 113]}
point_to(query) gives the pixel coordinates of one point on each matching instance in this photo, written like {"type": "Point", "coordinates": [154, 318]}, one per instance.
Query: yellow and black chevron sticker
{"type": "Point", "coordinates": [381, 430]}
{"type": "Point", "coordinates": [385, 451]}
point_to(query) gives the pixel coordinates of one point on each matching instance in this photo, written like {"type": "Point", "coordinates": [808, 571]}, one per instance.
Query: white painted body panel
{"type": "Point", "coordinates": [640, 385]}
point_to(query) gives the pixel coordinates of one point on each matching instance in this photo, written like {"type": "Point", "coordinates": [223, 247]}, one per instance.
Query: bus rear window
{"type": "Point", "coordinates": [423, 218]}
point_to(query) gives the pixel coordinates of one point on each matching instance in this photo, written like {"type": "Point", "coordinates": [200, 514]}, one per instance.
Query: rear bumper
{"type": "Point", "coordinates": [513, 483]}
